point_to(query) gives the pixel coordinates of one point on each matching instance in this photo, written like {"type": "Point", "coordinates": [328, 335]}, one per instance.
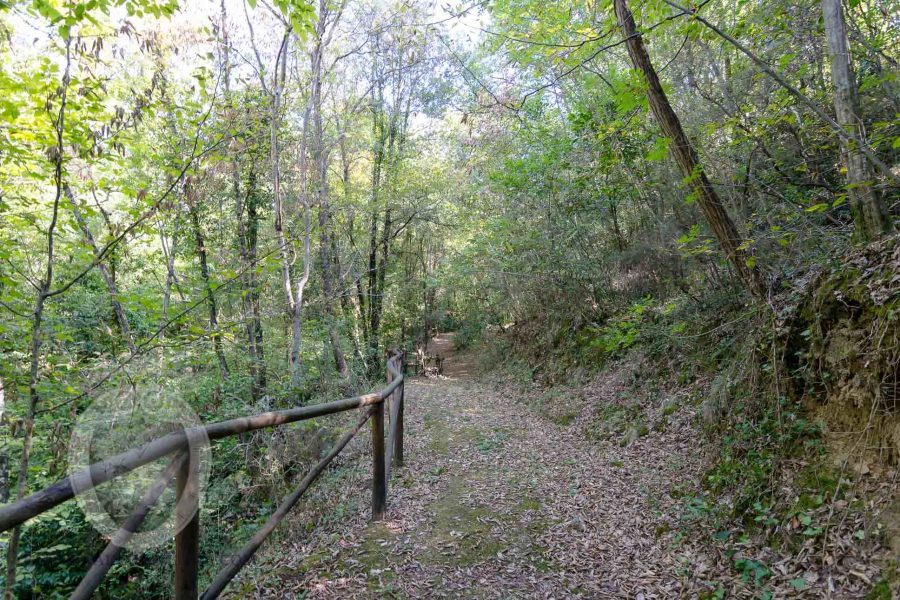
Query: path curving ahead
{"type": "Point", "coordinates": [495, 502]}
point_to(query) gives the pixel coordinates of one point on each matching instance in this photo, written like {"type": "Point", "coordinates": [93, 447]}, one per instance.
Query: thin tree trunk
{"type": "Point", "coordinates": [171, 278]}
{"type": "Point", "coordinates": [293, 295]}
{"type": "Point", "coordinates": [371, 290]}
{"type": "Point", "coordinates": [683, 152]}
{"type": "Point", "coordinates": [353, 298]}
{"type": "Point", "coordinates": [320, 159]}
{"type": "Point", "coordinates": [104, 271]}
{"type": "Point", "coordinates": [378, 300]}
{"type": "Point", "coordinates": [866, 204]}
{"type": "Point", "coordinates": [200, 243]}
{"type": "Point", "coordinates": [4, 457]}
{"type": "Point", "coordinates": [255, 328]}
{"type": "Point", "coordinates": [293, 292]}
{"type": "Point", "coordinates": [12, 549]}
{"type": "Point", "coordinates": [248, 229]}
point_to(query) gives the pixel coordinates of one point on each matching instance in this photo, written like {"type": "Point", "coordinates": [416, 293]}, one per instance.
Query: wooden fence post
{"type": "Point", "coordinates": [379, 485]}
{"type": "Point", "coordinates": [398, 441]}
{"type": "Point", "coordinates": [187, 541]}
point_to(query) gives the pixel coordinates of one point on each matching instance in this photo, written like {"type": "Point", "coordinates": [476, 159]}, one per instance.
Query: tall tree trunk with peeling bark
{"type": "Point", "coordinates": [866, 203]}
{"type": "Point", "coordinates": [683, 152]}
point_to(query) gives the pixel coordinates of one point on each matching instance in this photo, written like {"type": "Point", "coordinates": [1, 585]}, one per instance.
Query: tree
{"type": "Point", "coordinates": [684, 154]}
{"type": "Point", "coordinates": [324, 30]}
{"type": "Point", "coordinates": [866, 202]}
{"type": "Point", "coordinates": [202, 257]}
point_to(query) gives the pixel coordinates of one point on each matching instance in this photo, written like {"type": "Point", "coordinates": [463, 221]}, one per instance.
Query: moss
{"type": "Point", "coordinates": [559, 405]}
{"type": "Point", "coordinates": [564, 419]}
{"type": "Point", "coordinates": [819, 477]}
{"type": "Point", "coordinates": [881, 591]}
{"type": "Point", "coordinates": [438, 434]}
{"type": "Point", "coordinates": [460, 535]}
{"type": "Point", "coordinates": [842, 346]}
{"type": "Point", "coordinates": [313, 562]}
{"type": "Point", "coordinates": [443, 438]}
{"type": "Point", "coordinates": [488, 442]}
{"type": "Point", "coordinates": [528, 504]}
{"type": "Point", "coordinates": [613, 421]}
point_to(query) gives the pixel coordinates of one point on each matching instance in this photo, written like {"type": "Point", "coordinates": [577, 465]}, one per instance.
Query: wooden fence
{"type": "Point", "coordinates": [183, 468]}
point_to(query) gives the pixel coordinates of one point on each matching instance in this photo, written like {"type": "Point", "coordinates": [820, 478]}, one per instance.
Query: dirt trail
{"type": "Point", "coordinates": [456, 365]}
{"type": "Point", "coordinates": [496, 502]}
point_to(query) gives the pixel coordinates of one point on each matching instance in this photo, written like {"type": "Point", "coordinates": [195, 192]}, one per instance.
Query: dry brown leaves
{"type": "Point", "coordinates": [496, 502]}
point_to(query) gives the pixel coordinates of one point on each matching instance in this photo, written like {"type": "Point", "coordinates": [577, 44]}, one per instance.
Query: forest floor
{"type": "Point", "coordinates": [497, 501]}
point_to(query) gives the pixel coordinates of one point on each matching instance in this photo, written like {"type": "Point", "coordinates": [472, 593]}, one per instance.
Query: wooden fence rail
{"type": "Point", "coordinates": [183, 469]}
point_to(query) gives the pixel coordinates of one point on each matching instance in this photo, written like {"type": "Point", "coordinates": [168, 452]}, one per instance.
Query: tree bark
{"type": "Point", "coordinates": [373, 313]}
{"type": "Point", "coordinates": [293, 291]}
{"type": "Point", "coordinates": [320, 159]}
{"type": "Point", "coordinates": [252, 285]}
{"type": "Point", "coordinates": [43, 292]}
{"type": "Point", "coordinates": [104, 271]}
{"type": "Point", "coordinates": [200, 243]}
{"type": "Point", "coordinates": [247, 216]}
{"type": "Point", "coordinates": [866, 203]}
{"type": "Point", "coordinates": [684, 154]}
{"type": "Point", "coordinates": [4, 449]}
{"type": "Point", "coordinates": [168, 250]}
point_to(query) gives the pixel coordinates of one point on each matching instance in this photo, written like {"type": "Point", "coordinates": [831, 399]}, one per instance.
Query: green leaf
{"type": "Point", "coordinates": [660, 149]}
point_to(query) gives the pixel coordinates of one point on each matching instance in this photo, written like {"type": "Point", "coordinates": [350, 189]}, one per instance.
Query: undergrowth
{"type": "Point", "coordinates": [769, 480]}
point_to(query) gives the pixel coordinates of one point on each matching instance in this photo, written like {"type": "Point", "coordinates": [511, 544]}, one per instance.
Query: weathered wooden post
{"type": "Point", "coordinates": [379, 485]}
{"type": "Point", "coordinates": [398, 442]}
{"type": "Point", "coordinates": [187, 541]}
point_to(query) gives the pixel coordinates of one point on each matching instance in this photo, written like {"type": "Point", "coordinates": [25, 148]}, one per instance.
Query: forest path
{"type": "Point", "coordinates": [494, 502]}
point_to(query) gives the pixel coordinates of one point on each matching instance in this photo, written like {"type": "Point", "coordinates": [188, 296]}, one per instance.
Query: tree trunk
{"type": "Point", "coordinates": [168, 250]}
{"type": "Point", "coordinates": [683, 152]}
{"type": "Point", "coordinates": [5, 398]}
{"type": "Point", "coordinates": [293, 291]}
{"type": "Point", "coordinates": [252, 301]}
{"type": "Point", "coordinates": [353, 300]}
{"type": "Point", "coordinates": [866, 203]}
{"type": "Point", "coordinates": [377, 301]}
{"type": "Point", "coordinates": [43, 292]}
{"type": "Point", "coordinates": [104, 272]}
{"type": "Point", "coordinates": [204, 274]}
{"type": "Point", "coordinates": [248, 230]}
{"type": "Point", "coordinates": [320, 159]}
